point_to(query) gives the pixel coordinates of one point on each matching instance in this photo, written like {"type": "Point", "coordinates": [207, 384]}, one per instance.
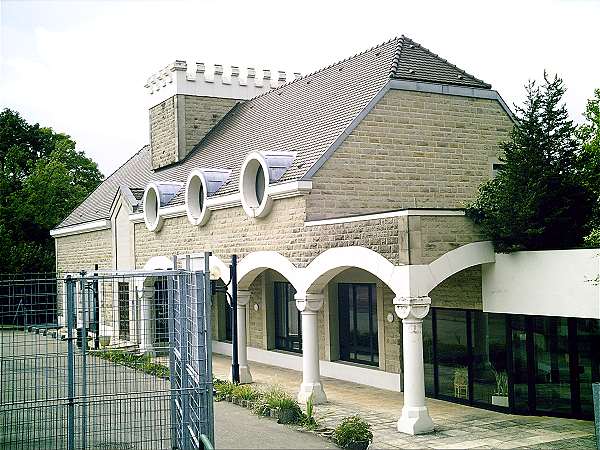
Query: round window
{"type": "Point", "coordinates": [151, 206]}
{"type": "Point", "coordinates": [195, 198]}
{"type": "Point", "coordinates": [254, 186]}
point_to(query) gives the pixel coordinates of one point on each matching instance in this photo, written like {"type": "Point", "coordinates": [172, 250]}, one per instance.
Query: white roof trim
{"type": "Point", "coordinates": [87, 227]}
{"type": "Point", "coordinates": [386, 215]}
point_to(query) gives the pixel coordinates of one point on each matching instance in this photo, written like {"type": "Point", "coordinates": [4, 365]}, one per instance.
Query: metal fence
{"type": "Point", "coordinates": [105, 360]}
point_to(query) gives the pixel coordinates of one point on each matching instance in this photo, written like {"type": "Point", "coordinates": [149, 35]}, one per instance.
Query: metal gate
{"type": "Point", "coordinates": [85, 363]}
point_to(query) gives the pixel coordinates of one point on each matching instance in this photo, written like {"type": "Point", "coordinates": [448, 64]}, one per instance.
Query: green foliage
{"type": "Point", "coordinates": [589, 135]}
{"type": "Point", "coordinates": [42, 179]}
{"type": "Point", "coordinates": [308, 420]}
{"type": "Point", "coordinates": [537, 201]}
{"type": "Point", "coordinates": [352, 430]}
{"type": "Point", "coordinates": [143, 363]}
{"type": "Point", "coordinates": [223, 388]}
{"type": "Point", "coordinates": [244, 392]}
{"type": "Point", "coordinates": [287, 407]}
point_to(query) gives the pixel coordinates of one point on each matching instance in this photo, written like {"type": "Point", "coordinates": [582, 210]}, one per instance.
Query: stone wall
{"type": "Point", "coordinates": [163, 133]}
{"type": "Point", "coordinates": [200, 115]}
{"type": "Point", "coordinates": [81, 251]}
{"type": "Point", "coordinates": [413, 150]}
{"type": "Point", "coordinates": [462, 290]}
{"type": "Point", "coordinates": [230, 231]}
{"type": "Point", "coordinates": [432, 236]}
{"type": "Point", "coordinates": [180, 122]}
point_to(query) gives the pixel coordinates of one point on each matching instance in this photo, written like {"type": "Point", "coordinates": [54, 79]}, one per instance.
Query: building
{"type": "Point", "coordinates": [341, 193]}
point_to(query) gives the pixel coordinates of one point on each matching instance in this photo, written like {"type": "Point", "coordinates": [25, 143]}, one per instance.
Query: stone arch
{"type": "Point", "coordinates": [255, 263]}
{"type": "Point", "coordinates": [426, 277]}
{"type": "Point", "coordinates": [335, 260]}
{"type": "Point", "coordinates": [217, 265]}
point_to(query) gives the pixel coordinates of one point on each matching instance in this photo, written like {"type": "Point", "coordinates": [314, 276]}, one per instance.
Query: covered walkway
{"type": "Point", "coordinates": [456, 426]}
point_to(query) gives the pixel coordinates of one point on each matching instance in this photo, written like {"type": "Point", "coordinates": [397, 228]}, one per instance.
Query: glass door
{"type": "Point", "coordinates": [288, 329]}
{"type": "Point", "coordinates": [357, 307]}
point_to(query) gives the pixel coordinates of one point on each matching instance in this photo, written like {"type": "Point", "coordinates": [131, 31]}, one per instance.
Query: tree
{"type": "Point", "coordinates": [42, 179]}
{"type": "Point", "coordinates": [589, 134]}
{"type": "Point", "coordinates": [537, 200]}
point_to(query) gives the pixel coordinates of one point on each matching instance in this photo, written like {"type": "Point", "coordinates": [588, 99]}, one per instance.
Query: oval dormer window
{"type": "Point", "coordinates": [195, 197]}
{"type": "Point", "coordinates": [254, 186]}
{"type": "Point", "coordinates": [151, 208]}
{"type": "Point", "coordinates": [157, 196]}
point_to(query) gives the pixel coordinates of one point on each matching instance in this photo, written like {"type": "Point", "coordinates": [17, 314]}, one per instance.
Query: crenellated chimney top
{"type": "Point", "coordinates": [219, 82]}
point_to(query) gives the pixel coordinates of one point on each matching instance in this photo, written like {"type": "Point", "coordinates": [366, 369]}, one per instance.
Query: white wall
{"type": "Point", "coordinates": [547, 283]}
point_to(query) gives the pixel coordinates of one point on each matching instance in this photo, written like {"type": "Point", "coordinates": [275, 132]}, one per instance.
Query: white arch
{"type": "Point", "coordinates": [426, 277]}
{"type": "Point", "coordinates": [335, 260]}
{"type": "Point", "coordinates": [256, 262]}
{"type": "Point", "coordinates": [217, 265]}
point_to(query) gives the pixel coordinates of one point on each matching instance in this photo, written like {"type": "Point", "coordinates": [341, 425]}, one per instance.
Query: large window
{"type": "Point", "coordinates": [528, 364]}
{"type": "Point", "coordinates": [288, 329]}
{"type": "Point", "coordinates": [357, 306]}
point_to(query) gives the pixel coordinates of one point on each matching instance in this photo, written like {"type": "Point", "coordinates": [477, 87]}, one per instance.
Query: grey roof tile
{"type": "Point", "coordinates": [305, 116]}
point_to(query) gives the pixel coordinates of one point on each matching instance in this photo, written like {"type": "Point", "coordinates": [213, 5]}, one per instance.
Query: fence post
{"type": "Point", "coordinates": [70, 364]}
{"type": "Point", "coordinates": [83, 291]}
{"type": "Point", "coordinates": [184, 328]}
{"type": "Point", "coordinates": [208, 342]}
{"type": "Point", "coordinates": [171, 311]}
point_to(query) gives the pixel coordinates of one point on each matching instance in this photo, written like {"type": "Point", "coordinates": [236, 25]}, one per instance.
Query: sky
{"type": "Point", "coordinates": [80, 66]}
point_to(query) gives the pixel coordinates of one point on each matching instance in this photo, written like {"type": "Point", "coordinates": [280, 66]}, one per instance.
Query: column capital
{"type": "Point", "coordinates": [308, 302]}
{"type": "Point", "coordinates": [243, 297]}
{"type": "Point", "coordinates": [412, 308]}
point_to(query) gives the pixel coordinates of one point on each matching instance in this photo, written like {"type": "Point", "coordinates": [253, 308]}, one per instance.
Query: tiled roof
{"type": "Point", "coordinates": [305, 116]}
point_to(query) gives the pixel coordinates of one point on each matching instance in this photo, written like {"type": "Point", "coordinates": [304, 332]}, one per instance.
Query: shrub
{"type": "Point", "coordinates": [223, 389]}
{"type": "Point", "coordinates": [244, 392]}
{"type": "Point", "coordinates": [351, 431]}
{"type": "Point", "coordinates": [287, 407]}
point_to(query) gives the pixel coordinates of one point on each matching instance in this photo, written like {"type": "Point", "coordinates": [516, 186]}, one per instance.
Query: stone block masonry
{"type": "Point", "coordinates": [180, 122]}
{"type": "Point", "coordinates": [413, 150]}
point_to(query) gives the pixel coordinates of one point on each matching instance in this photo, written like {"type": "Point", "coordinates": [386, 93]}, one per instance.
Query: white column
{"type": "Point", "coordinates": [146, 325]}
{"type": "Point", "coordinates": [308, 305]}
{"type": "Point", "coordinates": [415, 416]}
{"type": "Point", "coordinates": [243, 299]}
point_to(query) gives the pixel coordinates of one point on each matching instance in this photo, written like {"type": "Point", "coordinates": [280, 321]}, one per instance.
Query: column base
{"type": "Point", "coordinates": [314, 389]}
{"type": "Point", "coordinates": [415, 420]}
{"type": "Point", "coordinates": [245, 375]}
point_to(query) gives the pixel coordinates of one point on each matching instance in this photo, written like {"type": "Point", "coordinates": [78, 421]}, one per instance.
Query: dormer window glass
{"type": "Point", "coordinates": [259, 184]}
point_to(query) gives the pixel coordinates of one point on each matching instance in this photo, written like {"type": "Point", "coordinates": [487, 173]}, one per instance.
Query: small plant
{"type": "Point", "coordinates": [353, 433]}
{"type": "Point", "coordinates": [287, 408]}
{"type": "Point", "coordinates": [223, 389]}
{"type": "Point", "coordinates": [308, 420]}
{"type": "Point", "coordinates": [501, 384]}
{"type": "Point", "coordinates": [244, 392]}
{"type": "Point", "coordinates": [143, 363]}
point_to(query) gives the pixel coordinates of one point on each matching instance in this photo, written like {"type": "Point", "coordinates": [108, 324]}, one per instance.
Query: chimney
{"type": "Point", "coordinates": [184, 107]}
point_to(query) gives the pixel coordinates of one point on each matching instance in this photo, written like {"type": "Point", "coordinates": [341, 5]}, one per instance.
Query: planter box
{"type": "Point", "coordinates": [500, 400]}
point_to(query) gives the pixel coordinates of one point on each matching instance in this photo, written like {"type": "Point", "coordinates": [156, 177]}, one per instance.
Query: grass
{"type": "Point", "coordinates": [143, 363]}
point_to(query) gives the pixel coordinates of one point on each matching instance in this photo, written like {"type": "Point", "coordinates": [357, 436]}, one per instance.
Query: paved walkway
{"type": "Point", "coordinates": [456, 426]}
{"type": "Point", "coordinates": [238, 428]}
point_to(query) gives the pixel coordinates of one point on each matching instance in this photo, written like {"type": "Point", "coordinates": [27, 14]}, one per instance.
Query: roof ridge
{"type": "Point", "coordinates": [448, 62]}
{"type": "Point", "coordinates": [397, 56]}
{"type": "Point", "coordinates": [324, 68]}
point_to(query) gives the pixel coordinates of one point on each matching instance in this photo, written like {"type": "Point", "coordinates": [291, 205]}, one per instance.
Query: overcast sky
{"type": "Point", "coordinates": [80, 67]}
